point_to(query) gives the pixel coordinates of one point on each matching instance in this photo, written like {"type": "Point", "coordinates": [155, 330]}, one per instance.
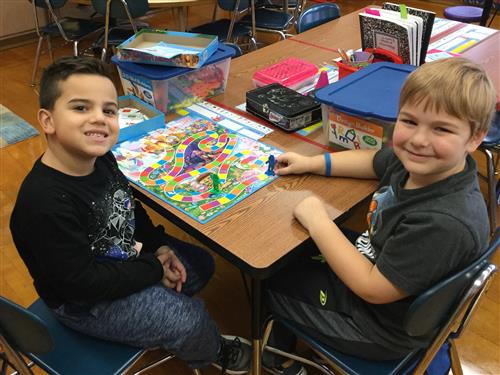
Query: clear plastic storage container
{"type": "Point", "coordinates": [168, 88]}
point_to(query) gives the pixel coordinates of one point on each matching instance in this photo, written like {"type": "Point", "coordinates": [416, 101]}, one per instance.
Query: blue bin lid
{"type": "Point", "coordinates": [158, 72]}
{"type": "Point", "coordinates": [370, 92]}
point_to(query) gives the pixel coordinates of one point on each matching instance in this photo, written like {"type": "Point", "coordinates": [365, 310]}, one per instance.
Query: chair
{"type": "Point", "coordinates": [36, 334]}
{"type": "Point", "coordinates": [443, 311]}
{"type": "Point", "coordinates": [228, 30]}
{"type": "Point", "coordinates": [317, 15]}
{"type": "Point", "coordinates": [114, 11]}
{"type": "Point", "coordinates": [71, 29]}
{"type": "Point", "coordinates": [268, 20]}
{"type": "Point", "coordinates": [472, 11]}
{"type": "Point", "coordinates": [490, 147]}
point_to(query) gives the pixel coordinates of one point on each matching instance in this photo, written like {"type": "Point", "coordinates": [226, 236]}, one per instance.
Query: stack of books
{"type": "Point", "coordinates": [402, 30]}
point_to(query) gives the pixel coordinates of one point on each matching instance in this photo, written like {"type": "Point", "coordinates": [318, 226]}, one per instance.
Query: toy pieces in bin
{"type": "Point", "coordinates": [283, 107]}
{"type": "Point", "coordinates": [128, 116]}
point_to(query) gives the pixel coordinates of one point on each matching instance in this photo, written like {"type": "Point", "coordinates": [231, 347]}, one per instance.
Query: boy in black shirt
{"type": "Point", "coordinates": [95, 257]}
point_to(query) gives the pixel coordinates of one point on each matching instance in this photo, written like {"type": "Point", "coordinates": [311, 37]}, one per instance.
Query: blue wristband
{"type": "Point", "coordinates": [328, 164]}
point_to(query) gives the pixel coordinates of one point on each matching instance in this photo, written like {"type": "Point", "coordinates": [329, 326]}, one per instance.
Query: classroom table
{"type": "Point", "coordinates": [259, 234]}
{"type": "Point", "coordinates": [179, 7]}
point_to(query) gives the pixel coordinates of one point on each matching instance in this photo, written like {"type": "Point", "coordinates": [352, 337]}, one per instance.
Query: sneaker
{"type": "Point", "coordinates": [278, 365]}
{"type": "Point", "coordinates": [235, 355]}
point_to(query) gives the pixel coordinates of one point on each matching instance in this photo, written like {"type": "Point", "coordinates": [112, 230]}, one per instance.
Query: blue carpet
{"type": "Point", "coordinates": [13, 128]}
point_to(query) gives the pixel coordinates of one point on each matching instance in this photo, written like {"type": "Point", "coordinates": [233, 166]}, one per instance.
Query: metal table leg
{"type": "Point", "coordinates": [256, 326]}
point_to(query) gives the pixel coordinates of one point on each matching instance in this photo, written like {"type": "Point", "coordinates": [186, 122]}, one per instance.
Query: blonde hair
{"type": "Point", "coordinates": [456, 86]}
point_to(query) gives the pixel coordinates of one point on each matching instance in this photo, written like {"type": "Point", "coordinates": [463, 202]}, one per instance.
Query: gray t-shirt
{"type": "Point", "coordinates": [416, 238]}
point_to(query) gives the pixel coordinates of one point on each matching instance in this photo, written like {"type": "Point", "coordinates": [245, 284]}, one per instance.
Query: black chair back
{"type": "Point", "coordinates": [228, 5]}
{"type": "Point", "coordinates": [137, 8]}
{"type": "Point", "coordinates": [55, 4]}
{"type": "Point", "coordinates": [24, 330]}
{"type": "Point", "coordinates": [432, 308]}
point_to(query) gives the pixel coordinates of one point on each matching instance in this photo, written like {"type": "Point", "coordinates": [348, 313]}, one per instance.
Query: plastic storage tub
{"type": "Point", "coordinates": [292, 73]}
{"type": "Point", "coordinates": [168, 88]}
{"type": "Point", "coordinates": [360, 110]}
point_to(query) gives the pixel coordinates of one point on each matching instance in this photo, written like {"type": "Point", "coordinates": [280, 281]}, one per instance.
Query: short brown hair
{"type": "Point", "coordinates": [456, 86]}
{"type": "Point", "coordinates": [61, 70]}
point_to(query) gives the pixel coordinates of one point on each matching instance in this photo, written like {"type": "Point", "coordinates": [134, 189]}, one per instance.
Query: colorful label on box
{"type": "Point", "coordinates": [353, 132]}
{"type": "Point", "coordinates": [140, 88]}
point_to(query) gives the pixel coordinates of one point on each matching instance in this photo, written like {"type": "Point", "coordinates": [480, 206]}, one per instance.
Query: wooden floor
{"type": "Point", "coordinates": [224, 296]}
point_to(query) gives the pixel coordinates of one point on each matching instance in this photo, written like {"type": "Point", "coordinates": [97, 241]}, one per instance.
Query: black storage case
{"type": "Point", "coordinates": [283, 107]}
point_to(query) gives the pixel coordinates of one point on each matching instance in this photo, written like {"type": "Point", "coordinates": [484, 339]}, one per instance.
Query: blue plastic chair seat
{"type": "Point", "coordinates": [354, 365]}
{"type": "Point", "coordinates": [221, 27]}
{"type": "Point", "coordinates": [76, 351]}
{"type": "Point", "coordinates": [269, 19]}
{"type": "Point", "coordinates": [464, 13]}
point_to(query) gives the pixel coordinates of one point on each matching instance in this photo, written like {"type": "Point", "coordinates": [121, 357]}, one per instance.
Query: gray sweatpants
{"type": "Point", "coordinates": [157, 316]}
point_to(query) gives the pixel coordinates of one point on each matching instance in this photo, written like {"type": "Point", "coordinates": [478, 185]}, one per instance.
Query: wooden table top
{"type": "Point", "coordinates": [157, 3]}
{"type": "Point", "coordinates": [260, 231]}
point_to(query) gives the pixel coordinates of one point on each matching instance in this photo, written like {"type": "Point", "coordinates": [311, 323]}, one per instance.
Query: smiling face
{"type": "Point", "coordinates": [432, 145]}
{"type": "Point", "coordinates": [83, 124]}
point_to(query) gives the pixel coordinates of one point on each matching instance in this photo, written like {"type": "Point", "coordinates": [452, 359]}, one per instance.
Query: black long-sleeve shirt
{"type": "Point", "coordinates": [77, 235]}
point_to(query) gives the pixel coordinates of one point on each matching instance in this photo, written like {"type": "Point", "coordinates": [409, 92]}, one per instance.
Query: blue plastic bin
{"type": "Point", "coordinates": [359, 111]}
{"type": "Point", "coordinates": [168, 88]}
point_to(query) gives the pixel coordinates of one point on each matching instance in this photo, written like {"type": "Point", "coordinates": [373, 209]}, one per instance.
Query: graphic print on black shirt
{"type": "Point", "coordinates": [114, 223]}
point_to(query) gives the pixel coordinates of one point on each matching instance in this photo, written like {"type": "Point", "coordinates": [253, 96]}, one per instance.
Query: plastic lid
{"type": "Point", "coordinates": [159, 72]}
{"type": "Point", "coordinates": [288, 72]}
{"type": "Point", "coordinates": [370, 92]}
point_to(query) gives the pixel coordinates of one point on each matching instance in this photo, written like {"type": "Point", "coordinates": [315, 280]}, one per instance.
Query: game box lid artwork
{"type": "Point", "coordinates": [197, 165]}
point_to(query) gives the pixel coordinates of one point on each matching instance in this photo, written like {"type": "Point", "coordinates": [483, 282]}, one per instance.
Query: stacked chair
{"type": "Point", "coordinates": [116, 32]}
{"type": "Point", "coordinates": [72, 30]}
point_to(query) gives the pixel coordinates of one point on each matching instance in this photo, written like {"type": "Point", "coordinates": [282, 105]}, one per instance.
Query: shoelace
{"type": "Point", "coordinates": [229, 353]}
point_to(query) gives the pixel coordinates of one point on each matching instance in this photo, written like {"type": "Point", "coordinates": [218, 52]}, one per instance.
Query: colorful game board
{"type": "Point", "coordinates": [181, 163]}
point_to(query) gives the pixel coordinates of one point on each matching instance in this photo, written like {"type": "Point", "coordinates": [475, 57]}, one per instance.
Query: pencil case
{"type": "Point", "coordinates": [283, 107]}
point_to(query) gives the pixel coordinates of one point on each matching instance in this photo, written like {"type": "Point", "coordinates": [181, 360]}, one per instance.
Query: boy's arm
{"type": "Point", "coordinates": [151, 236]}
{"type": "Point", "coordinates": [352, 163]}
{"type": "Point", "coordinates": [356, 271]}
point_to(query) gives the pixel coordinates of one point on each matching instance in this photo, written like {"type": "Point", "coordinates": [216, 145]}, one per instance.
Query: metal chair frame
{"type": "Point", "coordinates": [481, 273]}
{"type": "Point", "coordinates": [235, 14]}
{"type": "Point", "coordinates": [107, 28]}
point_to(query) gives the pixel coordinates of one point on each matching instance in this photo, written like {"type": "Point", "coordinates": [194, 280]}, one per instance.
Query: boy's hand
{"type": "Point", "coordinates": [174, 272]}
{"type": "Point", "coordinates": [291, 163]}
{"type": "Point", "coordinates": [310, 211]}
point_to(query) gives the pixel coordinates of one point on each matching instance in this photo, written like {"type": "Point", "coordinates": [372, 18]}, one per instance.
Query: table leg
{"type": "Point", "coordinates": [181, 18]}
{"type": "Point", "coordinates": [256, 326]}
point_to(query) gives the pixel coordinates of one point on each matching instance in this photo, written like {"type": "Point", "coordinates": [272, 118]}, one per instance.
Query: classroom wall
{"type": "Point", "coordinates": [16, 17]}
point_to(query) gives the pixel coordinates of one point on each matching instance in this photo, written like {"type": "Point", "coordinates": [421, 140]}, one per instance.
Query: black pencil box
{"type": "Point", "coordinates": [283, 107]}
